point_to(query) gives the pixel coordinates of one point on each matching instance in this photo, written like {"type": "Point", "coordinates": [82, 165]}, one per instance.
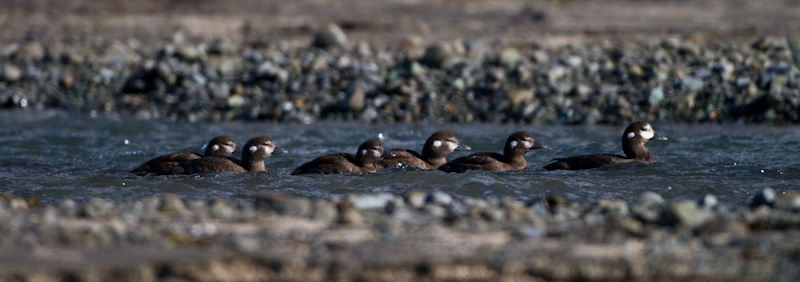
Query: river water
{"type": "Point", "coordinates": [55, 155]}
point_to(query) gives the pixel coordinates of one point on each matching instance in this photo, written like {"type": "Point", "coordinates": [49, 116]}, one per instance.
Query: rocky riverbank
{"type": "Point", "coordinates": [605, 82]}
{"type": "Point", "coordinates": [419, 236]}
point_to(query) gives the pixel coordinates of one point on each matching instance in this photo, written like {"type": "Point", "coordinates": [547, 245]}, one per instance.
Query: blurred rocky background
{"type": "Point", "coordinates": [570, 62]}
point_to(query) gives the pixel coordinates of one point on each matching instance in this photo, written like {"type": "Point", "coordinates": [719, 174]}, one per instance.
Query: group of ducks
{"type": "Point", "coordinates": [371, 157]}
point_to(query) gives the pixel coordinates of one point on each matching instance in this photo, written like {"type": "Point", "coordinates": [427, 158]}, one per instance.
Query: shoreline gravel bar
{"type": "Point", "coordinates": [604, 82]}
{"type": "Point", "coordinates": [419, 236]}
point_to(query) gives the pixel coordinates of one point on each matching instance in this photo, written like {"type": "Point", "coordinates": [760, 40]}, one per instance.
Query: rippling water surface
{"type": "Point", "coordinates": [53, 156]}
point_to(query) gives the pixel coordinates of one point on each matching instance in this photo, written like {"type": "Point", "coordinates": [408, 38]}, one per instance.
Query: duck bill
{"type": "Point", "coordinates": [462, 147]}
{"type": "Point", "coordinates": [537, 145]}
{"type": "Point", "coordinates": [658, 137]}
{"type": "Point", "coordinates": [279, 150]}
{"type": "Point", "coordinates": [386, 154]}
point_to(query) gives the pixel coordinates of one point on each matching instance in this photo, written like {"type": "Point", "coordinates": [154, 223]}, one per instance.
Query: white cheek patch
{"type": "Point", "coordinates": [376, 153]}
{"type": "Point", "coordinates": [268, 150]}
{"type": "Point", "coordinates": [437, 143]}
{"type": "Point", "coordinates": [631, 135]}
{"type": "Point", "coordinates": [363, 152]}
{"type": "Point", "coordinates": [452, 146]}
{"type": "Point", "coordinates": [648, 134]}
{"type": "Point", "coordinates": [215, 148]}
{"type": "Point", "coordinates": [253, 149]}
{"type": "Point", "coordinates": [513, 144]}
{"type": "Point", "coordinates": [528, 144]}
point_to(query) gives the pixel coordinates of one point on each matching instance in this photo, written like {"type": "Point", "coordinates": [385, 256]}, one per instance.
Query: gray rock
{"type": "Point", "coordinates": [330, 36]}
{"type": "Point", "coordinates": [765, 197]}
{"type": "Point", "coordinates": [689, 214]}
{"type": "Point", "coordinates": [371, 201]}
{"type": "Point", "coordinates": [283, 204]}
{"type": "Point", "coordinates": [439, 198]}
{"type": "Point", "coordinates": [656, 96]}
{"type": "Point", "coordinates": [649, 207]}
{"type": "Point", "coordinates": [172, 205]}
{"type": "Point", "coordinates": [11, 73]}
{"type": "Point", "coordinates": [438, 55]}
{"type": "Point", "coordinates": [510, 57]}
{"type": "Point", "coordinates": [348, 213]}
{"type": "Point", "coordinates": [416, 198]}
{"type": "Point", "coordinates": [788, 200]}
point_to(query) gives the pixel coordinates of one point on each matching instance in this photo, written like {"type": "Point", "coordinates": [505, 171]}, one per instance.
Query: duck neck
{"type": "Point", "coordinates": [253, 164]}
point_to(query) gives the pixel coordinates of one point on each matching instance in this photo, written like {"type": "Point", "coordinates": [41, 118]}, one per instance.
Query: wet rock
{"type": "Point", "coordinates": [221, 209]}
{"type": "Point", "coordinates": [439, 55]}
{"type": "Point", "coordinates": [649, 207]}
{"type": "Point", "coordinates": [172, 205]}
{"type": "Point", "coordinates": [787, 200]}
{"type": "Point", "coordinates": [30, 52]}
{"type": "Point", "coordinates": [371, 201]}
{"type": "Point", "coordinates": [348, 213]}
{"type": "Point", "coordinates": [283, 204]}
{"type": "Point", "coordinates": [11, 73]}
{"type": "Point", "coordinates": [510, 57]}
{"type": "Point", "coordinates": [689, 214]}
{"type": "Point", "coordinates": [656, 96]}
{"type": "Point", "coordinates": [416, 198]}
{"type": "Point", "coordinates": [765, 197]}
{"type": "Point", "coordinates": [330, 36]}
{"type": "Point", "coordinates": [439, 198]}
{"type": "Point", "coordinates": [324, 210]}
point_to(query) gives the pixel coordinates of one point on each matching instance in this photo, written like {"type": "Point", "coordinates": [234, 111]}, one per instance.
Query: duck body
{"type": "Point", "coordinates": [364, 161]}
{"type": "Point", "coordinates": [512, 159]}
{"type": "Point", "coordinates": [434, 152]}
{"type": "Point", "coordinates": [166, 164]}
{"type": "Point", "coordinates": [255, 151]}
{"type": "Point", "coordinates": [634, 138]}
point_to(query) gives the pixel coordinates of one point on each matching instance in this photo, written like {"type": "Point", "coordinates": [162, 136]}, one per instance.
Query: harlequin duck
{"type": "Point", "coordinates": [633, 140]}
{"type": "Point", "coordinates": [255, 151]}
{"type": "Point", "coordinates": [219, 146]}
{"type": "Point", "coordinates": [365, 161]}
{"type": "Point", "coordinates": [512, 159]}
{"type": "Point", "coordinates": [437, 147]}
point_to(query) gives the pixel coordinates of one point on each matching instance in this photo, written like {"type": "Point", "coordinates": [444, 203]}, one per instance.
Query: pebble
{"type": "Point", "coordinates": [330, 36]}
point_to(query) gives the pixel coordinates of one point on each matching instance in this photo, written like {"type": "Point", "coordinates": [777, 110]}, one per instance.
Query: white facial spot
{"type": "Point", "coordinates": [363, 152]}
{"type": "Point", "coordinates": [253, 149]}
{"type": "Point", "coordinates": [437, 143]}
{"type": "Point", "coordinates": [528, 144]}
{"type": "Point", "coordinates": [648, 134]}
{"type": "Point", "coordinates": [631, 135]}
{"type": "Point", "coordinates": [269, 149]}
{"type": "Point", "coordinates": [215, 148]}
{"type": "Point", "coordinates": [375, 153]}
{"type": "Point", "coordinates": [452, 146]}
{"type": "Point", "coordinates": [513, 144]}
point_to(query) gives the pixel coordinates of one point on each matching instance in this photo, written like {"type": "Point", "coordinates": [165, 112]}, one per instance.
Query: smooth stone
{"type": "Point", "coordinates": [649, 206]}
{"type": "Point", "coordinates": [371, 201]}
{"type": "Point", "coordinates": [689, 214]}
{"type": "Point", "coordinates": [330, 36]}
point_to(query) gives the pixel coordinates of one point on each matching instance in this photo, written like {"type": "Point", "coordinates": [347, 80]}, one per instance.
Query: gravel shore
{"type": "Point", "coordinates": [563, 62]}
{"type": "Point", "coordinates": [419, 236]}
{"type": "Point", "coordinates": [614, 82]}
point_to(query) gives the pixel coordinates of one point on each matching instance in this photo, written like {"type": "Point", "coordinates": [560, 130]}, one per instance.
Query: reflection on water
{"type": "Point", "coordinates": [52, 155]}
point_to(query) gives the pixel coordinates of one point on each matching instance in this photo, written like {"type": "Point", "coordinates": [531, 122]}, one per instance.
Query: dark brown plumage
{"type": "Point", "coordinates": [219, 146]}
{"type": "Point", "coordinates": [512, 159]}
{"type": "Point", "coordinates": [633, 140]}
{"type": "Point", "coordinates": [436, 148]}
{"type": "Point", "coordinates": [255, 151]}
{"type": "Point", "coordinates": [364, 161]}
